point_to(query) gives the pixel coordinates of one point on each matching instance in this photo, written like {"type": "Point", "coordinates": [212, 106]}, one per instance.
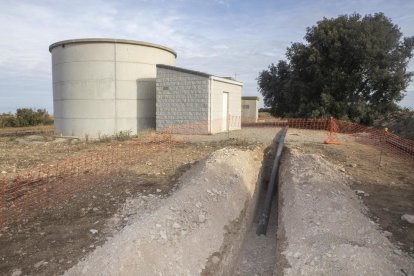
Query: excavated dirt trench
{"type": "Point", "coordinates": [323, 226]}
{"type": "Point", "coordinates": [197, 230]}
{"type": "Point", "coordinates": [318, 225]}
{"type": "Point", "coordinates": [251, 254]}
{"type": "Point", "coordinates": [208, 225]}
{"type": "Point", "coordinates": [258, 253]}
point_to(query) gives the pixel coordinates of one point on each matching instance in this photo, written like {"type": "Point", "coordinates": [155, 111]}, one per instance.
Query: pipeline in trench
{"type": "Point", "coordinates": [257, 255]}
{"type": "Point", "coordinates": [207, 227]}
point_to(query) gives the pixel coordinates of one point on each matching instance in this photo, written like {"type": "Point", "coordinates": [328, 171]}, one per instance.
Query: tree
{"type": "Point", "coordinates": [350, 68]}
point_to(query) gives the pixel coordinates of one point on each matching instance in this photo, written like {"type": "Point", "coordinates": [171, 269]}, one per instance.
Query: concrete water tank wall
{"type": "Point", "coordinates": [104, 86]}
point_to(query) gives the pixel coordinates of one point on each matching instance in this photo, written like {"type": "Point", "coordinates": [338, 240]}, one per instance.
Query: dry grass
{"type": "Point", "coordinates": [18, 131]}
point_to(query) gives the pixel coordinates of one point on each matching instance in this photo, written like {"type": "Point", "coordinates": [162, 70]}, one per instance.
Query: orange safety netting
{"type": "Point", "coordinates": [399, 146]}
{"type": "Point", "coordinates": [27, 192]}
{"type": "Point", "coordinates": [332, 133]}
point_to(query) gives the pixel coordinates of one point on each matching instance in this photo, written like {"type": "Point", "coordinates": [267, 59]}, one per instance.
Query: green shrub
{"type": "Point", "coordinates": [8, 120]}
{"type": "Point", "coordinates": [25, 117]}
{"type": "Point", "coordinates": [119, 136]}
{"type": "Point", "coordinates": [123, 135]}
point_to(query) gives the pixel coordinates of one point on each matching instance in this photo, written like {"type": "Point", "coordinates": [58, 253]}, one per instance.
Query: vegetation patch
{"type": "Point", "coordinates": [25, 117]}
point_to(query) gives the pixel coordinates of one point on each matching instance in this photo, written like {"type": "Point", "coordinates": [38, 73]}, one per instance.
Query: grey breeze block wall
{"type": "Point", "coordinates": [181, 102]}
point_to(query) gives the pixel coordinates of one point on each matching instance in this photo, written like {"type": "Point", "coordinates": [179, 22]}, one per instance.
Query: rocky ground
{"type": "Point", "coordinates": [326, 228]}
{"type": "Point", "coordinates": [384, 181]}
{"type": "Point", "coordinates": [370, 191]}
{"type": "Point", "coordinates": [59, 237]}
{"type": "Point", "coordinates": [343, 212]}
{"type": "Point", "coordinates": [25, 152]}
{"type": "Point", "coordinates": [188, 234]}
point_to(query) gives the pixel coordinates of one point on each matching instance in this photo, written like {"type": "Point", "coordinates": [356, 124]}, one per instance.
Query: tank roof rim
{"type": "Point", "coordinates": [111, 40]}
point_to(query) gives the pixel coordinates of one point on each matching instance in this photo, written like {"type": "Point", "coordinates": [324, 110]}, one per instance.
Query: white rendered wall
{"type": "Point", "coordinates": [250, 110]}
{"type": "Point", "coordinates": [106, 87]}
{"type": "Point", "coordinates": [235, 91]}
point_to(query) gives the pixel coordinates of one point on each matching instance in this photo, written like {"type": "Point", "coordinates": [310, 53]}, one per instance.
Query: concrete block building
{"type": "Point", "coordinates": [189, 101]}
{"type": "Point", "coordinates": [250, 109]}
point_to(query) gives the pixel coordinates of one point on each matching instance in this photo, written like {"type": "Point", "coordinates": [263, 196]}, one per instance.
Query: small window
{"type": "Point", "coordinates": [246, 106]}
{"type": "Point", "coordinates": [165, 88]}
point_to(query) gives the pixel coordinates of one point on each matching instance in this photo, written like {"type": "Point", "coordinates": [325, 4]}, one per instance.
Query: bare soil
{"type": "Point", "coordinates": [386, 179]}
{"type": "Point", "coordinates": [326, 226]}
{"type": "Point", "coordinates": [197, 230]}
{"type": "Point", "coordinates": [21, 131]}
{"type": "Point", "coordinates": [15, 157]}
{"type": "Point", "coordinates": [60, 236]}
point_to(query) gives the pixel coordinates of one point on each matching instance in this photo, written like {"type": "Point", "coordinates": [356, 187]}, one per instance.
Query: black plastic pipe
{"type": "Point", "coordinates": [264, 217]}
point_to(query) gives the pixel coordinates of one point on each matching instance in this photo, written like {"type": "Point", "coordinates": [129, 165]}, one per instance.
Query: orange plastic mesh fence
{"type": "Point", "coordinates": [28, 192]}
{"type": "Point", "coordinates": [401, 147]}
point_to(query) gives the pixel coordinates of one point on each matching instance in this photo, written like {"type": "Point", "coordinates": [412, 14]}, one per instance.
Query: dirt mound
{"type": "Point", "coordinates": [399, 122]}
{"type": "Point", "coordinates": [187, 233]}
{"type": "Point", "coordinates": [325, 227]}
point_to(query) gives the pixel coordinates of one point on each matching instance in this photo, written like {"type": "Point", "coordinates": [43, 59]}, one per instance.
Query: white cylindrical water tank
{"type": "Point", "coordinates": [104, 86]}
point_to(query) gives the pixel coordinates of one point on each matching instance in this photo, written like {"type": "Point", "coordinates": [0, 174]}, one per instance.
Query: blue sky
{"type": "Point", "coordinates": [222, 37]}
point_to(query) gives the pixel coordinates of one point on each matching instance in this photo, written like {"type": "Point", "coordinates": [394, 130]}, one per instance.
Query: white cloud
{"type": "Point", "coordinates": [223, 37]}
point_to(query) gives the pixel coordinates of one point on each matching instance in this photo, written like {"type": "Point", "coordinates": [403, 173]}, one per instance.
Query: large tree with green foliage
{"type": "Point", "coordinates": [350, 67]}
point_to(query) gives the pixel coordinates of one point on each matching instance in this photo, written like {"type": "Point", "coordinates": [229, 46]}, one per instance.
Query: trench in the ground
{"type": "Point", "coordinates": [243, 252]}
{"type": "Point", "coordinates": [257, 255]}
{"type": "Point", "coordinates": [239, 252]}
